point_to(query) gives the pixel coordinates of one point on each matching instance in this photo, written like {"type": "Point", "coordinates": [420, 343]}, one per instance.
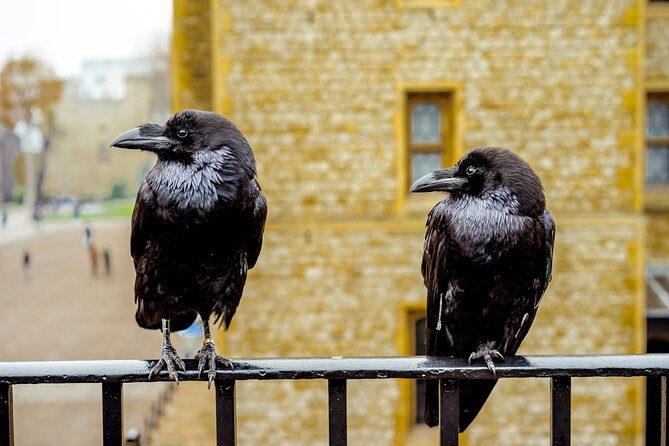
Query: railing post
{"type": "Point", "coordinates": [112, 414]}
{"type": "Point", "coordinates": [449, 407]}
{"type": "Point", "coordinates": [226, 420]}
{"type": "Point", "coordinates": [561, 411]}
{"type": "Point", "coordinates": [6, 416]}
{"type": "Point", "coordinates": [337, 412]}
{"type": "Point", "coordinates": [663, 412]}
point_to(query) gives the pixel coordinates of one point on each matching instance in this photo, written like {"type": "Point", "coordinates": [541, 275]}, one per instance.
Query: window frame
{"type": "Point", "coordinates": [451, 146]}
{"type": "Point", "coordinates": [444, 102]}
{"type": "Point", "coordinates": [655, 141]}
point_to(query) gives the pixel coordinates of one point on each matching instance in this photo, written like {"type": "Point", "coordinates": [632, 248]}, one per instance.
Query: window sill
{"type": "Point", "coordinates": [416, 4]}
{"type": "Point", "coordinates": [658, 10]}
{"type": "Point", "coordinates": [656, 198]}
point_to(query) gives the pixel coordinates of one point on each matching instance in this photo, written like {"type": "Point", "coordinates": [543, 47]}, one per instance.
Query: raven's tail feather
{"type": "Point", "coordinates": [473, 394]}
{"type": "Point", "coordinates": [431, 414]}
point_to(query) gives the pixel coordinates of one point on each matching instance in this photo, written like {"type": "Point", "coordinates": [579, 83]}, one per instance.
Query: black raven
{"type": "Point", "coordinates": [487, 261]}
{"type": "Point", "coordinates": [197, 228]}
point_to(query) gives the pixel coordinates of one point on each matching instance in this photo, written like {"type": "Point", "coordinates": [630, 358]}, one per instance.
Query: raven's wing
{"type": "Point", "coordinates": [142, 215]}
{"type": "Point", "coordinates": [519, 323]}
{"type": "Point", "coordinates": [433, 268]}
{"type": "Point", "coordinates": [548, 227]}
{"type": "Point", "coordinates": [246, 222]}
{"type": "Point", "coordinates": [143, 246]}
{"type": "Point", "coordinates": [257, 226]}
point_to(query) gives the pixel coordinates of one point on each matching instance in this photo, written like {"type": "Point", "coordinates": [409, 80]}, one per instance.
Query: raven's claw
{"type": "Point", "coordinates": [169, 359]}
{"type": "Point", "coordinates": [487, 354]}
{"type": "Point", "coordinates": [208, 358]}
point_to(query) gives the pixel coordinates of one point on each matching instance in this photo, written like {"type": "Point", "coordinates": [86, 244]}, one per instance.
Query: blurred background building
{"type": "Point", "coordinates": [345, 103]}
{"type": "Point", "coordinates": [9, 148]}
{"type": "Point", "coordinates": [109, 97]}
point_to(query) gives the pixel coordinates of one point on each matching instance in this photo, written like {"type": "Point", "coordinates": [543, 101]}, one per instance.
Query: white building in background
{"type": "Point", "coordinates": [111, 96]}
{"type": "Point", "coordinates": [107, 79]}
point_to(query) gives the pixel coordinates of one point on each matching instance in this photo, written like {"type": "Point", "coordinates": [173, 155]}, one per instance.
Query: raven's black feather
{"type": "Point", "coordinates": [486, 264]}
{"type": "Point", "coordinates": [198, 221]}
{"type": "Point", "coordinates": [197, 229]}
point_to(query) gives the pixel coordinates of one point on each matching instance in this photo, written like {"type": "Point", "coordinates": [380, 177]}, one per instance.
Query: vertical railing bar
{"type": "Point", "coordinates": [663, 412]}
{"type": "Point", "coordinates": [112, 414]}
{"type": "Point", "coordinates": [226, 419]}
{"type": "Point", "coordinates": [449, 408]}
{"type": "Point", "coordinates": [561, 411]}
{"type": "Point", "coordinates": [6, 415]}
{"type": "Point", "coordinates": [337, 412]}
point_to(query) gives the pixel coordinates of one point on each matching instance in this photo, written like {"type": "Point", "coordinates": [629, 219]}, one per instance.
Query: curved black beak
{"type": "Point", "coordinates": [132, 139]}
{"type": "Point", "coordinates": [444, 180]}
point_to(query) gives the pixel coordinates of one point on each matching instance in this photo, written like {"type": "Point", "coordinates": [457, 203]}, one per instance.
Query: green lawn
{"type": "Point", "coordinates": [101, 210]}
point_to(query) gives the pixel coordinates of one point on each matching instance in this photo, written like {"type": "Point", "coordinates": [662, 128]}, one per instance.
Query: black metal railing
{"type": "Point", "coordinates": [112, 375]}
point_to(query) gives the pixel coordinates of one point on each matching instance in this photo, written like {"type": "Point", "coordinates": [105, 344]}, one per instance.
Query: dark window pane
{"type": "Point", "coordinates": [424, 163]}
{"type": "Point", "coordinates": [657, 119]}
{"type": "Point", "coordinates": [425, 124]}
{"type": "Point", "coordinates": [657, 165]}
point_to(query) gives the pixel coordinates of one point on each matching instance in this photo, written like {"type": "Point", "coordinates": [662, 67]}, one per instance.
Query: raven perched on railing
{"type": "Point", "coordinates": [197, 228]}
{"type": "Point", "coordinates": [486, 264]}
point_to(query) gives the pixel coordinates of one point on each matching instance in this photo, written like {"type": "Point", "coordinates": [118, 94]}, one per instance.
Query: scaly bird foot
{"type": "Point", "coordinates": [487, 354]}
{"type": "Point", "coordinates": [169, 359]}
{"type": "Point", "coordinates": [208, 357]}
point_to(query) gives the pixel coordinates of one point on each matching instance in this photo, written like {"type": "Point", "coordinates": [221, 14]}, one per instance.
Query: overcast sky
{"type": "Point", "coordinates": [63, 33]}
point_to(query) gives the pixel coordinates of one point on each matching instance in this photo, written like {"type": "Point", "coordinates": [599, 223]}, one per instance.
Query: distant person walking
{"type": "Point", "coordinates": [4, 218]}
{"type": "Point", "coordinates": [93, 255]}
{"type": "Point", "coordinates": [106, 256]}
{"type": "Point", "coordinates": [27, 274]}
{"type": "Point", "coordinates": [88, 237]}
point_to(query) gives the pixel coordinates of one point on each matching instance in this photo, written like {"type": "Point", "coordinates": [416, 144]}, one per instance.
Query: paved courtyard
{"type": "Point", "coordinates": [63, 312]}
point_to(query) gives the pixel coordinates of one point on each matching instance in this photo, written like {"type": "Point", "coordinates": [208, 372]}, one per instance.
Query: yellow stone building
{"type": "Point", "coordinates": [345, 101]}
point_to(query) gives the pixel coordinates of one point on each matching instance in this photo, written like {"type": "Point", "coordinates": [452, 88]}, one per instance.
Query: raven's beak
{"type": "Point", "coordinates": [133, 140]}
{"type": "Point", "coordinates": [444, 180]}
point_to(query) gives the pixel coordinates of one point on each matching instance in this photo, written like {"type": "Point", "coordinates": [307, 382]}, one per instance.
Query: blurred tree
{"type": "Point", "coordinates": [28, 87]}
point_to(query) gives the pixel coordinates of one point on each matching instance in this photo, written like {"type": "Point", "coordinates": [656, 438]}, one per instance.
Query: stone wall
{"type": "Point", "coordinates": [657, 47]}
{"type": "Point", "coordinates": [318, 82]}
{"type": "Point", "coordinates": [191, 55]}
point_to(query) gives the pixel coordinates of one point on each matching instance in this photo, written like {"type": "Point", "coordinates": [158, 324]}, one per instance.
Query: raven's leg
{"type": "Point", "coordinates": [168, 357]}
{"type": "Point", "coordinates": [487, 354]}
{"type": "Point", "coordinates": [207, 355]}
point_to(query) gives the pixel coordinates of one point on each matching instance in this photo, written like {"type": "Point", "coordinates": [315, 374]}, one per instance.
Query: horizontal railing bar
{"type": "Point", "coordinates": [341, 368]}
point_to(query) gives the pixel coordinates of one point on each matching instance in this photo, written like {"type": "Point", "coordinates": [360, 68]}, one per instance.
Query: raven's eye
{"type": "Point", "coordinates": [471, 170]}
{"type": "Point", "coordinates": [182, 133]}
